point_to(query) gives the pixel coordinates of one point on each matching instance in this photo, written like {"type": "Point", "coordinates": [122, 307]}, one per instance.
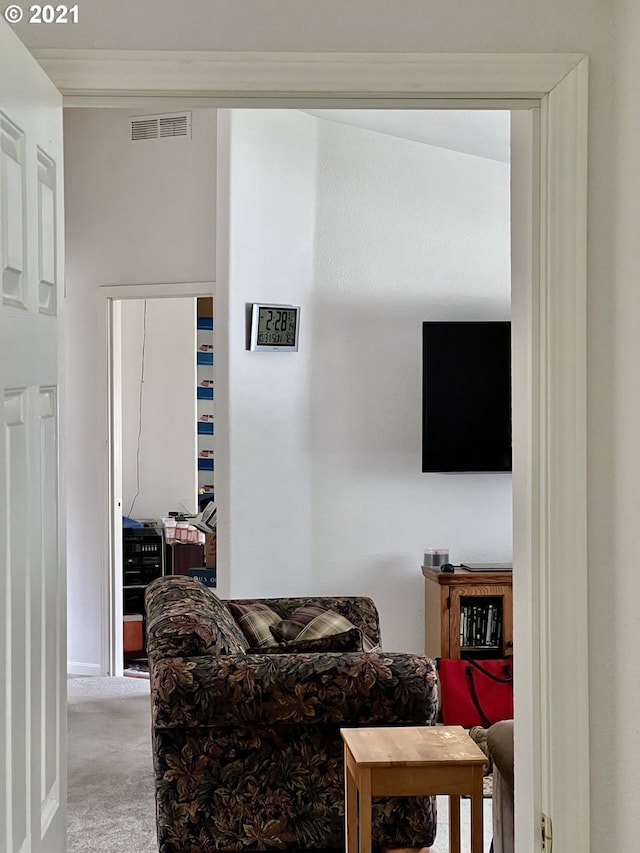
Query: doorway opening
{"type": "Point", "coordinates": [153, 443]}
{"type": "Point", "coordinates": [554, 355]}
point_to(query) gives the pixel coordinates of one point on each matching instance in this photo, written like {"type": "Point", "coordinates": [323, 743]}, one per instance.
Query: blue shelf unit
{"type": "Point", "coordinates": [205, 360]}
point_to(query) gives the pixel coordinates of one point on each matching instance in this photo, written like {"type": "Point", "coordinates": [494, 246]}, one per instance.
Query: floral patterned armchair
{"type": "Point", "coordinates": [246, 743]}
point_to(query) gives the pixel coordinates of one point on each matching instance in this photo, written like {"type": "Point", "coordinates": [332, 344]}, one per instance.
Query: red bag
{"type": "Point", "coordinates": [475, 692]}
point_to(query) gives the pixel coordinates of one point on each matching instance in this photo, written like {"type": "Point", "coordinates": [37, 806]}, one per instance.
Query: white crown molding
{"type": "Point", "coordinates": [227, 75]}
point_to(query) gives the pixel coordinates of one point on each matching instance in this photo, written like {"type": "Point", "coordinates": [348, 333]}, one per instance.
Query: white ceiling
{"type": "Point", "coordinates": [483, 133]}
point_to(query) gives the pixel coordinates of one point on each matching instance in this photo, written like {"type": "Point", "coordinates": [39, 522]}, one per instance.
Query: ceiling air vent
{"type": "Point", "coordinates": [174, 125]}
{"type": "Point", "coordinates": [166, 126]}
{"type": "Point", "coordinates": [144, 128]}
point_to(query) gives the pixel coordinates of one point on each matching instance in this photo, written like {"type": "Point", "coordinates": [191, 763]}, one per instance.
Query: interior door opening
{"type": "Point", "coordinates": [155, 447]}
{"type": "Point", "coordinates": [528, 393]}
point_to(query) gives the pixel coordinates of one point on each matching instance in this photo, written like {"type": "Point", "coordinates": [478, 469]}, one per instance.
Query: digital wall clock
{"type": "Point", "coordinates": [274, 328]}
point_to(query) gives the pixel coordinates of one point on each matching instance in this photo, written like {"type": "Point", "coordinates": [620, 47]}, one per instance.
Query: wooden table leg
{"type": "Point", "coordinates": [364, 810]}
{"type": "Point", "coordinates": [350, 805]}
{"type": "Point", "coordinates": [454, 823]}
{"type": "Point", "coordinates": [477, 812]}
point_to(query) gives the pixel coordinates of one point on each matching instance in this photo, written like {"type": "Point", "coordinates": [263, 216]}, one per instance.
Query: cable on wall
{"type": "Point", "coordinates": [144, 345]}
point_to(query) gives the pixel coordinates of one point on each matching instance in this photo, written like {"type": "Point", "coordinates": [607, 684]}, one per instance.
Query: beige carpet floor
{"type": "Point", "coordinates": [110, 775]}
{"type": "Point", "coordinates": [111, 805]}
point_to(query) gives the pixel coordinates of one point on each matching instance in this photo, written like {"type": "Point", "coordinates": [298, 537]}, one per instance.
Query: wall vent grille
{"type": "Point", "coordinates": [166, 126]}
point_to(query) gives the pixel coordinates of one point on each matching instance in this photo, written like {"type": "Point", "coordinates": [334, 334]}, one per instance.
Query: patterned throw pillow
{"type": "Point", "coordinates": [314, 621]}
{"type": "Point", "coordinates": [347, 641]}
{"type": "Point", "coordinates": [255, 621]}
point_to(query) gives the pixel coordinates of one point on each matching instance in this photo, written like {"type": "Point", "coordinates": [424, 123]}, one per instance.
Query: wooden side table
{"type": "Point", "coordinates": [411, 761]}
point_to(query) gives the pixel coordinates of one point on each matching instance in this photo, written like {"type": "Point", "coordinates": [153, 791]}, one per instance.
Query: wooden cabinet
{"type": "Point", "coordinates": [468, 613]}
{"type": "Point", "coordinates": [182, 556]}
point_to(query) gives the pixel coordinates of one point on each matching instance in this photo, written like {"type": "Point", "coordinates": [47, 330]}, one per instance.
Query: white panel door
{"type": "Point", "coordinates": [32, 577]}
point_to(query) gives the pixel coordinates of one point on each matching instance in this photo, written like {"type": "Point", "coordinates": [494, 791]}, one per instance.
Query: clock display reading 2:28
{"type": "Point", "coordinates": [277, 326]}
{"type": "Point", "coordinates": [273, 327]}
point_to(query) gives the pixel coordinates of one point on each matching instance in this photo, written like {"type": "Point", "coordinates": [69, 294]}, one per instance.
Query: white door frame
{"type": "Point", "coordinates": [550, 553]}
{"type": "Point", "coordinates": [111, 296]}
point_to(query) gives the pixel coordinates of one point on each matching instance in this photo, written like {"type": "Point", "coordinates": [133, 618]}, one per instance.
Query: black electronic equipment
{"type": "Point", "coordinates": [141, 555]}
{"type": "Point", "coordinates": [487, 567]}
{"type": "Point", "coordinates": [142, 562]}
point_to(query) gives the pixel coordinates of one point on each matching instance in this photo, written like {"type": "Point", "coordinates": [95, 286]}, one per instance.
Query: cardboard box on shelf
{"type": "Point", "coordinates": [205, 306]}
{"type": "Point", "coordinates": [210, 550]}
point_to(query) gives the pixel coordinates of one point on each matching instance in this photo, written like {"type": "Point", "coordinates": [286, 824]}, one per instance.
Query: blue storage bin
{"type": "Point", "coordinates": [206, 576]}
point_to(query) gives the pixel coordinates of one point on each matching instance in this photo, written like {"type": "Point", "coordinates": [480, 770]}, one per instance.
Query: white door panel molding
{"type": "Point", "coordinates": [32, 547]}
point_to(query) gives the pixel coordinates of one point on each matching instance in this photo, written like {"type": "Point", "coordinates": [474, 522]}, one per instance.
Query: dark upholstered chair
{"type": "Point", "coordinates": [246, 745]}
{"type": "Point", "coordinates": [500, 746]}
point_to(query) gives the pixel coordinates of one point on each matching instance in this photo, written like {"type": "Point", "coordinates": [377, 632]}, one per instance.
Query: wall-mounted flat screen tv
{"type": "Point", "coordinates": [466, 396]}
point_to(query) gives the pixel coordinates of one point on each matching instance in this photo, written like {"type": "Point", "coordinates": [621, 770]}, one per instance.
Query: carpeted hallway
{"type": "Point", "coordinates": [110, 785]}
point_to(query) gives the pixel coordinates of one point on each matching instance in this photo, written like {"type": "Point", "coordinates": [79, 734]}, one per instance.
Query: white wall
{"type": "Point", "coordinates": [398, 232]}
{"type": "Point", "coordinates": [271, 214]}
{"type": "Point", "coordinates": [333, 25]}
{"type": "Point", "coordinates": [136, 213]}
{"type": "Point", "coordinates": [405, 232]}
{"type": "Point", "coordinates": [159, 450]}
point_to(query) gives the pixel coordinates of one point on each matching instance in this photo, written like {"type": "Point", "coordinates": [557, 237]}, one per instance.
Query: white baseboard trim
{"type": "Point", "coordinates": [75, 668]}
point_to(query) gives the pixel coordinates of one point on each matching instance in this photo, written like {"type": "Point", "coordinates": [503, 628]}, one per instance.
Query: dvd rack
{"type": "Point", "coordinates": [481, 623]}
